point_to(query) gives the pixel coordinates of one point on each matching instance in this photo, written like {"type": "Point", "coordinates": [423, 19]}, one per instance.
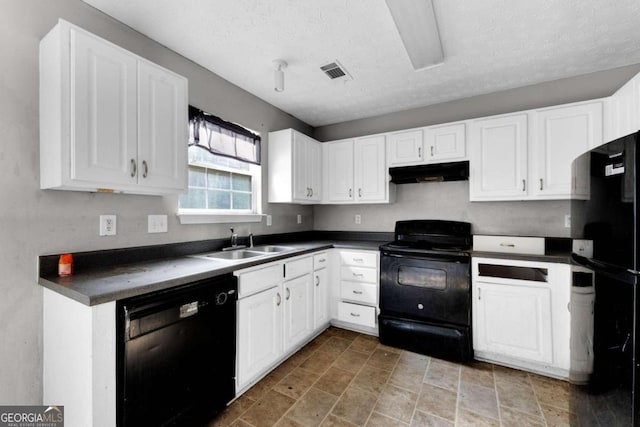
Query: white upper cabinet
{"type": "Point", "coordinates": [405, 148]}
{"type": "Point", "coordinates": [355, 171]}
{"type": "Point", "coordinates": [339, 171]}
{"type": "Point", "coordinates": [622, 110]}
{"type": "Point", "coordinates": [109, 120]}
{"type": "Point", "coordinates": [161, 122]}
{"type": "Point", "coordinates": [294, 168]}
{"type": "Point", "coordinates": [529, 156]}
{"type": "Point", "coordinates": [445, 143]}
{"type": "Point", "coordinates": [371, 178]}
{"type": "Point", "coordinates": [561, 134]}
{"type": "Point", "coordinates": [498, 158]}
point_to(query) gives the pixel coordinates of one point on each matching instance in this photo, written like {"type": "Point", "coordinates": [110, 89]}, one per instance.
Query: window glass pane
{"type": "Point", "coordinates": [195, 199]}
{"type": "Point", "coordinates": [240, 182]}
{"type": "Point", "coordinates": [219, 180]}
{"type": "Point", "coordinates": [197, 177]}
{"type": "Point", "coordinates": [241, 200]}
{"type": "Point", "coordinates": [219, 199]}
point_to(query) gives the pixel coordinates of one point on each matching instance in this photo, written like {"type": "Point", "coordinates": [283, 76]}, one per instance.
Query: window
{"type": "Point", "coordinates": [224, 172]}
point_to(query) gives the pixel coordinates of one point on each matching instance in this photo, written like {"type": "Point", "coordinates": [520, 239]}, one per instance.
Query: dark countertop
{"type": "Point", "coordinates": [102, 284]}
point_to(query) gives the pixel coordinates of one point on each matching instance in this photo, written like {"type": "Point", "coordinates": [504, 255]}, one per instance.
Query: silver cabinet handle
{"type": "Point", "coordinates": [134, 168]}
{"type": "Point", "coordinates": [479, 294]}
{"type": "Point", "coordinates": [508, 245]}
{"type": "Point", "coordinates": [432, 151]}
{"type": "Point", "coordinates": [288, 294]}
{"type": "Point", "coordinates": [350, 192]}
{"type": "Point", "coordinates": [358, 275]}
{"type": "Point", "coordinates": [145, 169]}
{"type": "Point", "coordinates": [322, 260]}
{"type": "Point", "coordinates": [419, 152]}
{"type": "Point", "coordinates": [279, 299]}
{"type": "Point", "coordinates": [317, 280]}
{"type": "Point", "coordinates": [359, 192]}
{"type": "Point", "coordinates": [358, 260]}
{"type": "Point", "coordinates": [524, 185]}
{"type": "Point", "coordinates": [357, 292]}
{"type": "Point", "coordinates": [540, 183]}
{"type": "Point", "coordinates": [311, 190]}
{"type": "Point", "coordinates": [308, 192]}
{"type": "Point", "coordinates": [355, 314]}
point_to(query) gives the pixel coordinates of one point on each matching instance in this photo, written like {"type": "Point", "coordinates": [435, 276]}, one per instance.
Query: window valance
{"type": "Point", "coordinates": [223, 138]}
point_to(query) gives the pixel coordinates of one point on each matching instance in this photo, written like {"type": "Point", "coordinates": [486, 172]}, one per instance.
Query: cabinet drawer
{"type": "Point", "coordinates": [257, 280]}
{"type": "Point", "coordinates": [360, 259]}
{"type": "Point", "coordinates": [365, 293]}
{"type": "Point", "coordinates": [320, 260]}
{"type": "Point", "coordinates": [359, 314]}
{"type": "Point", "coordinates": [509, 244]}
{"type": "Point", "coordinates": [358, 274]}
{"type": "Point", "coordinates": [298, 267]}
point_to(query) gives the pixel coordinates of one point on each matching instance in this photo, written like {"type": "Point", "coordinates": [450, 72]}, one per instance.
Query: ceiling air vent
{"type": "Point", "coordinates": [334, 70]}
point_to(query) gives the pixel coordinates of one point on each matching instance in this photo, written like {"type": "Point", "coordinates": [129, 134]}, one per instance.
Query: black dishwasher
{"type": "Point", "coordinates": [176, 354]}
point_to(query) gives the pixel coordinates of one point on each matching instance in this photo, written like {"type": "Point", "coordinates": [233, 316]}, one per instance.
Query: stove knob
{"type": "Point", "coordinates": [221, 298]}
{"type": "Point", "coordinates": [420, 306]}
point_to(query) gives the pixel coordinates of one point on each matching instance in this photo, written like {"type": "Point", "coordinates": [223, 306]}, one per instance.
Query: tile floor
{"type": "Point", "coordinates": [343, 378]}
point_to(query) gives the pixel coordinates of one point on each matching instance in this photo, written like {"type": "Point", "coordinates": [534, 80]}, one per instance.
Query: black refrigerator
{"type": "Point", "coordinates": [611, 218]}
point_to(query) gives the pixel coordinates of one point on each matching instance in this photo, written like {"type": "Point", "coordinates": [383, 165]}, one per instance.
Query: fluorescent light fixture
{"type": "Point", "coordinates": [278, 75]}
{"type": "Point", "coordinates": [416, 23]}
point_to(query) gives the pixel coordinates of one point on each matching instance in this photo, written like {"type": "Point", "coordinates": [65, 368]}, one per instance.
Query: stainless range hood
{"type": "Point", "coordinates": [437, 172]}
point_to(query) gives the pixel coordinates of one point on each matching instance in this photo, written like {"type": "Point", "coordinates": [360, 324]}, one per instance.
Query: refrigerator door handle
{"type": "Point", "coordinates": [615, 272]}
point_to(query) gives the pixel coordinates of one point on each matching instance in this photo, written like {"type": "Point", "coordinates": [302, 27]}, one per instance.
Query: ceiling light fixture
{"type": "Point", "coordinates": [278, 75]}
{"type": "Point", "coordinates": [416, 23]}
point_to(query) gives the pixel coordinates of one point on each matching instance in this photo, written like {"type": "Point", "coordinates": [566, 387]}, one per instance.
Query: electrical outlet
{"type": "Point", "coordinates": [269, 221]}
{"type": "Point", "coordinates": [299, 219]}
{"type": "Point", "coordinates": [567, 221]}
{"type": "Point", "coordinates": [107, 225]}
{"type": "Point", "coordinates": [358, 219]}
{"type": "Point", "coordinates": [157, 223]}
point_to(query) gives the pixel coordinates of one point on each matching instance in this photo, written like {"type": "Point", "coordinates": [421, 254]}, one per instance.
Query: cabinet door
{"type": "Point", "coordinates": [405, 148]}
{"type": "Point", "coordinates": [314, 170]}
{"type": "Point", "coordinates": [103, 112]}
{"type": "Point", "coordinates": [320, 298]}
{"type": "Point", "coordinates": [301, 189]}
{"type": "Point", "coordinates": [259, 333]}
{"type": "Point", "coordinates": [445, 143]}
{"type": "Point", "coordinates": [513, 321]}
{"type": "Point", "coordinates": [162, 128]}
{"type": "Point", "coordinates": [561, 135]}
{"type": "Point", "coordinates": [339, 169]}
{"type": "Point", "coordinates": [623, 108]}
{"type": "Point", "coordinates": [298, 310]}
{"type": "Point", "coordinates": [499, 158]}
{"type": "Point", "coordinates": [370, 171]}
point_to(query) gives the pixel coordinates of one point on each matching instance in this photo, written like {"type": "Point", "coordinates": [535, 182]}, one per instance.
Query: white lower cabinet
{"type": "Point", "coordinates": [320, 290]}
{"type": "Point", "coordinates": [259, 336]}
{"type": "Point", "coordinates": [281, 306]}
{"type": "Point", "coordinates": [520, 314]}
{"type": "Point", "coordinates": [357, 276]}
{"type": "Point", "coordinates": [298, 310]}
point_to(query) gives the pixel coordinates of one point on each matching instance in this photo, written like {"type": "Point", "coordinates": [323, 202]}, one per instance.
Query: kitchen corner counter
{"type": "Point", "coordinates": [98, 284]}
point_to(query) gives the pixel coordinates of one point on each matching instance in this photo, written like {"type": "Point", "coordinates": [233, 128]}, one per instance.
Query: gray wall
{"type": "Point", "coordinates": [451, 200]}
{"type": "Point", "coordinates": [35, 222]}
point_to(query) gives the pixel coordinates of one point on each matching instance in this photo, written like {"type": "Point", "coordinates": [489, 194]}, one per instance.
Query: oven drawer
{"type": "Point", "coordinates": [360, 292]}
{"type": "Point", "coordinates": [359, 259]}
{"type": "Point", "coordinates": [358, 274]}
{"type": "Point", "coordinates": [358, 314]}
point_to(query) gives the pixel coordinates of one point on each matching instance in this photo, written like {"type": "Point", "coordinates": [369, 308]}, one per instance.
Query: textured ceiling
{"type": "Point", "coordinates": [489, 45]}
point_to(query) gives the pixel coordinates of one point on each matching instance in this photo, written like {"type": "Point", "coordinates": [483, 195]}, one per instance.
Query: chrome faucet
{"type": "Point", "coordinates": [234, 239]}
{"type": "Point", "coordinates": [250, 240]}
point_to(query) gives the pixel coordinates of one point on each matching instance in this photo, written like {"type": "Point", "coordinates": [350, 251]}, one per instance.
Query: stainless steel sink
{"type": "Point", "coordinates": [271, 248]}
{"type": "Point", "coordinates": [233, 255]}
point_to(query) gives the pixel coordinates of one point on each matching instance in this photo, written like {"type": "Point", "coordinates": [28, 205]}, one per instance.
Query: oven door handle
{"type": "Point", "coordinates": [456, 259]}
